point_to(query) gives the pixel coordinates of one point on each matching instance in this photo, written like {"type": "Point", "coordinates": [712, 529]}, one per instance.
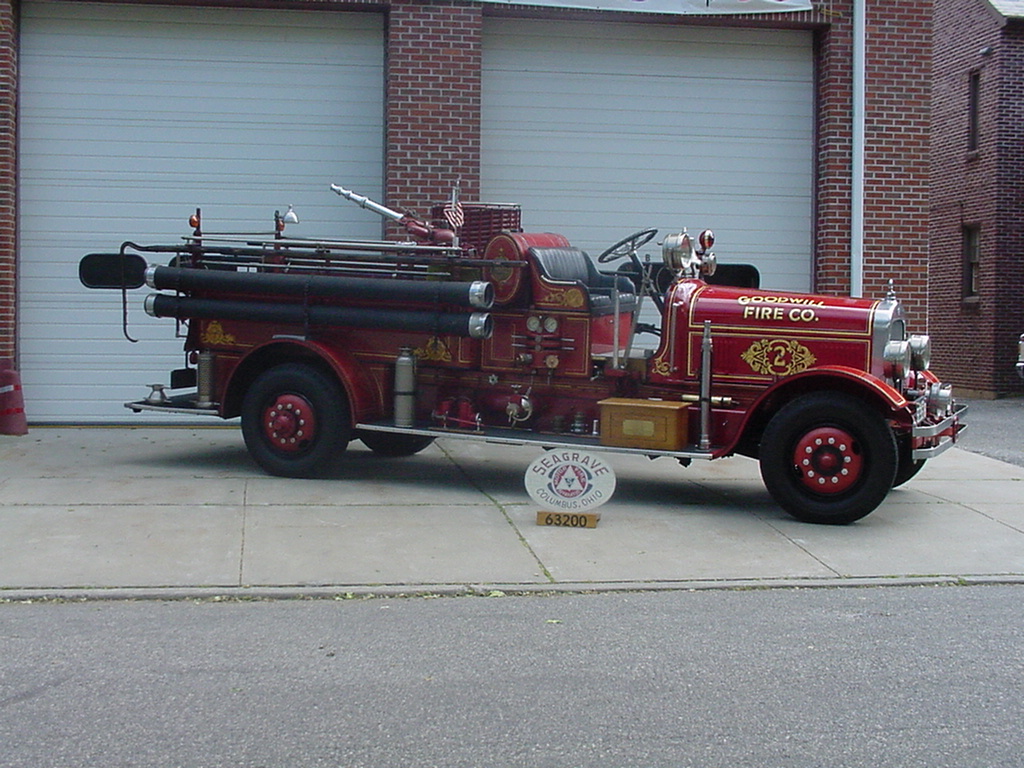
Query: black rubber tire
{"type": "Point", "coordinates": [394, 444]}
{"type": "Point", "coordinates": [907, 468]}
{"type": "Point", "coordinates": [855, 474]}
{"type": "Point", "coordinates": [315, 424]}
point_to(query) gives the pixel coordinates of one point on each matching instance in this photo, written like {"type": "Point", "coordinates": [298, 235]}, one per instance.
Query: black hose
{"type": "Point", "coordinates": [477, 294]}
{"type": "Point", "coordinates": [477, 325]}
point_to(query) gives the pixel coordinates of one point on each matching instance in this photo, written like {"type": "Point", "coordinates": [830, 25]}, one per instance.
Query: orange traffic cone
{"type": "Point", "coordinates": [12, 404]}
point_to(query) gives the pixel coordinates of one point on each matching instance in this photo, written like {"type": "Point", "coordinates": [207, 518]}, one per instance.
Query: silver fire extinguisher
{"type": "Point", "coordinates": [405, 388]}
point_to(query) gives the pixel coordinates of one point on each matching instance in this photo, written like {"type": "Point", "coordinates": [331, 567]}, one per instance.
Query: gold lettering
{"type": "Point", "coordinates": [772, 299]}
{"type": "Point", "coordinates": [805, 315]}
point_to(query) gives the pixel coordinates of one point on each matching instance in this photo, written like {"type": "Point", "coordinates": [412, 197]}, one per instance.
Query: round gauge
{"type": "Point", "coordinates": [551, 361]}
{"type": "Point", "coordinates": [533, 324]}
{"type": "Point", "coordinates": [550, 324]}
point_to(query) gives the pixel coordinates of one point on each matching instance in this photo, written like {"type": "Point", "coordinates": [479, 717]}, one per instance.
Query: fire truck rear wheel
{"type": "Point", "coordinates": [828, 458]}
{"type": "Point", "coordinates": [393, 444]}
{"type": "Point", "coordinates": [295, 421]}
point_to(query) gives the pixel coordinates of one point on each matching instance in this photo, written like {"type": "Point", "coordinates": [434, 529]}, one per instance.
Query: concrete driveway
{"type": "Point", "coordinates": [182, 511]}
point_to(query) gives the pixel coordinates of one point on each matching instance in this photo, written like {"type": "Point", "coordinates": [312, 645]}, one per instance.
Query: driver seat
{"type": "Point", "coordinates": [557, 267]}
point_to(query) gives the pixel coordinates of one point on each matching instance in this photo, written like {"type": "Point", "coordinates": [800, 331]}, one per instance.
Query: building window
{"type": "Point", "coordinates": [972, 257]}
{"type": "Point", "coordinates": [973, 110]}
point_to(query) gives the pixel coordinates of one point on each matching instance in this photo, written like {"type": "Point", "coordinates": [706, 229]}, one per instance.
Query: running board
{"type": "Point", "coordinates": [175, 404]}
{"type": "Point", "coordinates": [546, 441]}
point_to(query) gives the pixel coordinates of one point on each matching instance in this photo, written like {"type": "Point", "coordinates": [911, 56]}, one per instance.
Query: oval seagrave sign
{"type": "Point", "coordinates": [569, 480]}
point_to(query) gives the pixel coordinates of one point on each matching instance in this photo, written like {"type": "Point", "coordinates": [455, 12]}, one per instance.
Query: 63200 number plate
{"type": "Point", "coordinates": [569, 519]}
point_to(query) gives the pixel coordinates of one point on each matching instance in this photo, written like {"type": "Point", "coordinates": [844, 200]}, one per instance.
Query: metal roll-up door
{"type": "Point", "coordinates": [599, 129]}
{"type": "Point", "coordinates": [130, 117]}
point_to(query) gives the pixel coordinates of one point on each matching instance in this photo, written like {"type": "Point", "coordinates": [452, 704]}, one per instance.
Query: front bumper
{"type": "Point", "coordinates": [929, 440]}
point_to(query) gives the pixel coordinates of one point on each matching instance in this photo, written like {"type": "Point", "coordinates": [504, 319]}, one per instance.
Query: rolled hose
{"type": "Point", "coordinates": [477, 294]}
{"type": "Point", "coordinates": [475, 325]}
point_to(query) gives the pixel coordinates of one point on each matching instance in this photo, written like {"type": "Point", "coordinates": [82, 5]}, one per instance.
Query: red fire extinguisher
{"type": "Point", "coordinates": [12, 404]}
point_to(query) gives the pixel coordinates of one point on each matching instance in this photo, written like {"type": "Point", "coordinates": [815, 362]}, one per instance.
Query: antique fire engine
{"type": "Point", "coordinates": [492, 333]}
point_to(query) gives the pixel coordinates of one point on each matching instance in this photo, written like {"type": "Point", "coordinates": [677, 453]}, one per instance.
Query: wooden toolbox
{"type": "Point", "coordinates": [630, 423]}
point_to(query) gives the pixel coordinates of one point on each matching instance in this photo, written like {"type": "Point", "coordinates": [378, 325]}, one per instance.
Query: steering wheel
{"type": "Point", "coordinates": [628, 246]}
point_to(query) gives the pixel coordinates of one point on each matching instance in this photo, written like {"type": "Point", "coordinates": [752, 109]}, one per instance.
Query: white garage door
{"type": "Point", "coordinates": [602, 129]}
{"type": "Point", "coordinates": [133, 116]}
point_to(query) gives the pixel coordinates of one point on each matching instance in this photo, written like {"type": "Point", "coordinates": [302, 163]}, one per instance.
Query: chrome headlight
{"type": "Point", "coordinates": [940, 398]}
{"type": "Point", "coordinates": [679, 254]}
{"type": "Point", "coordinates": [921, 351]}
{"type": "Point", "coordinates": [899, 359]}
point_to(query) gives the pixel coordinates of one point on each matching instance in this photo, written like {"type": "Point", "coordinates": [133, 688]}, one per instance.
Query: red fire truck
{"type": "Point", "coordinates": [487, 332]}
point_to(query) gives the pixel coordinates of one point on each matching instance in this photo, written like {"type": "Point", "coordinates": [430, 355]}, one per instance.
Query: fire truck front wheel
{"type": "Point", "coordinates": [909, 467]}
{"type": "Point", "coordinates": [827, 457]}
{"type": "Point", "coordinates": [295, 421]}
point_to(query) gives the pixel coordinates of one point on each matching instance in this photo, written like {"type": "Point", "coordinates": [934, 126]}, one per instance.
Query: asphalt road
{"type": "Point", "coordinates": [883, 676]}
{"type": "Point", "coordinates": [996, 429]}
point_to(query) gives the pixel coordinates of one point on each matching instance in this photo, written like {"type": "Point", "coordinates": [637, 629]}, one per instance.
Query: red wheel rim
{"type": "Point", "coordinates": [828, 460]}
{"type": "Point", "coordinates": [289, 423]}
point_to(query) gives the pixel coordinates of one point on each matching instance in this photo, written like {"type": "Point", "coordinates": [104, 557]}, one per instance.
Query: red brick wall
{"type": "Point", "coordinates": [897, 119]}
{"type": "Point", "coordinates": [1009, 272]}
{"type": "Point", "coordinates": [974, 338]}
{"type": "Point", "coordinates": [834, 156]}
{"type": "Point", "coordinates": [897, 127]}
{"type": "Point", "coordinates": [433, 102]}
{"type": "Point", "coordinates": [8, 91]}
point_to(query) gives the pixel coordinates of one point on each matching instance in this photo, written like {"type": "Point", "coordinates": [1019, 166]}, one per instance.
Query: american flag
{"type": "Point", "coordinates": [453, 211]}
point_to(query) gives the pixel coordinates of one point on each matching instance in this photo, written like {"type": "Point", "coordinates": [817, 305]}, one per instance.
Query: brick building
{"type": "Point", "coordinates": [117, 120]}
{"type": "Point", "coordinates": [977, 199]}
